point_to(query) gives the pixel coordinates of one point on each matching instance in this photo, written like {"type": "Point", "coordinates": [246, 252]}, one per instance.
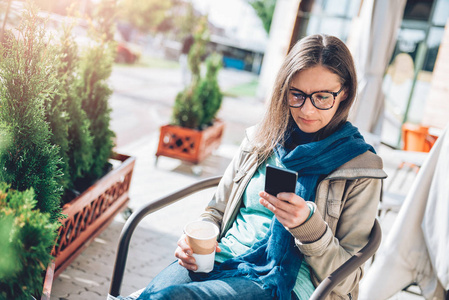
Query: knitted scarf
{"type": "Point", "coordinates": [274, 260]}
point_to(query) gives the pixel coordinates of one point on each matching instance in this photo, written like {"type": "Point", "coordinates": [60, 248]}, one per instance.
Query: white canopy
{"type": "Point", "coordinates": [372, 41]}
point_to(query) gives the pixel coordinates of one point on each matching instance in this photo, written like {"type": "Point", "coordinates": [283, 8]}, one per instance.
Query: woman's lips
{"type": "Point", "coordinates": [307, 121]}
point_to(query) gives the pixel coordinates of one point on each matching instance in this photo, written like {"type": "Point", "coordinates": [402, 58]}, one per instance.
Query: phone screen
{"type": "Point", "coordinates": [279, 180]}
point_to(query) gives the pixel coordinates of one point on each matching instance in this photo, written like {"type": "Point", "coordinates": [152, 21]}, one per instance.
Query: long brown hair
{"type": "Point", "coordinates": [314, 50]}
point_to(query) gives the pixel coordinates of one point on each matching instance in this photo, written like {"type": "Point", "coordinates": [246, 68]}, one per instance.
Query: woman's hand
{"type": "Point", "coordinates": [184, 254]}
{"type": "Point", "coordinates": [290, 209]}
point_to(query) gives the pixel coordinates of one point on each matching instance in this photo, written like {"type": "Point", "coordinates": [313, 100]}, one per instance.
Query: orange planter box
{"type": "Point", "coordinates": [189, 144]}
{"type": "Point", "coordinates": [92, 211]}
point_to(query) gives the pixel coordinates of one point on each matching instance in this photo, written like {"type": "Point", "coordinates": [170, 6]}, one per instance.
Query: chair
{"type": "Point", "coordinates": [417, 138]}
{"type": "Point", "coordinates": [321, 291]}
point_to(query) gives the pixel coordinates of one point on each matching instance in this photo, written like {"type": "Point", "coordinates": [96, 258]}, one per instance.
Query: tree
{"type": "Point", "coordinates": [185, 19]}
{"type": "Point", "coordinates": [264, 9]}
{"type": "Point", "coordinates": [60, 6]}
{"type": "Point", "coordinates": [145, 15]}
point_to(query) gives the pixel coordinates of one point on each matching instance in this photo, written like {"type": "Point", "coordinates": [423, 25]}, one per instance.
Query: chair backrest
{"type": "Point", "coordinates": [358, 259]}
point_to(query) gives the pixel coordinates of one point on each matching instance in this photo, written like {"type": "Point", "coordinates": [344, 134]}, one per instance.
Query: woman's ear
{"type": "Point", "coordinates": [344, 94]}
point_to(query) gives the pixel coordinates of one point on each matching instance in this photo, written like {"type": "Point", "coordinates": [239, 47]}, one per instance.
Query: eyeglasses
{"type": "Point", "coordinates": [322, 100]}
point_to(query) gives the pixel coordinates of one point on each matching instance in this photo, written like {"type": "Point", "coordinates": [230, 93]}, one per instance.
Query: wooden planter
{"type": "Point", "coordinates": [91, 212]}
{"type": "Point", "coordinates": [48, 282]}
{"type": "Point", "coordinates": [189, 144]}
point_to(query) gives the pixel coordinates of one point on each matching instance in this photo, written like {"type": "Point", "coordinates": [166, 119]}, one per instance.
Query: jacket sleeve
{"type": "Point", "coordinates": [323, 250]}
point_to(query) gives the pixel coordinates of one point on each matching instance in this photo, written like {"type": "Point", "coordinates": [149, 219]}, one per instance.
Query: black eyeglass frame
{"type": "Point", "coordinates": [334, 94]}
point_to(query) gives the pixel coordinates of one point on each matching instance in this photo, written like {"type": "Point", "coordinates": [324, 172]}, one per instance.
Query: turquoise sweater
{"type": "Point", "coordinates": [252, 223]}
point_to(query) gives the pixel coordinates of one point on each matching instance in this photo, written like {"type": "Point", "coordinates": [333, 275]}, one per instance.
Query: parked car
{"type": "Point", "coordinates": [127, 52]}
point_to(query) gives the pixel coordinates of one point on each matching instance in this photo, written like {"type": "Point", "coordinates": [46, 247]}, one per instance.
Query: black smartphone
{"type": "Point", "coordinates": [279, 180]}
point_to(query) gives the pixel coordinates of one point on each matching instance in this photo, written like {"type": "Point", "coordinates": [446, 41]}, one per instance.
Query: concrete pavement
{"type": "Point", "coordinates": [142, 102]}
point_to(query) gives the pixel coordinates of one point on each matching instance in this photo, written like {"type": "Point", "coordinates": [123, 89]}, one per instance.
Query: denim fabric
{"type": "Point", "coordinates": [176, 282]}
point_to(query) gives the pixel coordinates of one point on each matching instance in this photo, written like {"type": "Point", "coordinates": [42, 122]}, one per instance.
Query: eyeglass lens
{"type": "Point", "coordinates": [321, 100]}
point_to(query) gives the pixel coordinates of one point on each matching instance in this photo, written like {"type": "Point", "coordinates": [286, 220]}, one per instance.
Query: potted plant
{"type": "Point", "coordinates": [54, 130]}
{"type": "Point", "coordinates": [194, 131]}
{"type": "Point", "coordinates": [27, 236]}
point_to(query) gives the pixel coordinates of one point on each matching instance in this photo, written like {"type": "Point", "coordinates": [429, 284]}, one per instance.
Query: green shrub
{"type": "Point", "coordinates": [54, 113]}
{"type": "Point", "coordinates": [95, 69]}
{"type": "Point", "coordinates": [187, 111]}
{"type": "Point", "coordinates": [79, 150]}
{"type": "Point", "coordinates": [208, 91]}
{"type": "Point", "coordinates": [28, 159]}
{"type": "Point", "coordinates": [27, 236]}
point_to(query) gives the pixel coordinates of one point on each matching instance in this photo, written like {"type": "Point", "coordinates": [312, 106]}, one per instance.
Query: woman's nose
{"type": "Point", "coordinates": [308, 108]}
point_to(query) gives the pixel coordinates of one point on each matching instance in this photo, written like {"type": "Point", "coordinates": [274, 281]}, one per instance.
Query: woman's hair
{"type": "Point", "coordinates": [314, 50]}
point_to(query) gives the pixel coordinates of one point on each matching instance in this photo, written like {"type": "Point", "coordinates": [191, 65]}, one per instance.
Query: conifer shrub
{"type": "Point", "coordinates": [28, 159]}
{"type": "Point", "coordinates": [27, 236]}
{"type": "Point", "coordinates": [54, 111]}
{"type": "Point", "coordinates": [95, 68]}
{"type": "Point", "coordinates": [187, 111]}
{"type": "Point", "coordinates": [208, 91]}
{"type": "Point", "coordinates": [78, 155]}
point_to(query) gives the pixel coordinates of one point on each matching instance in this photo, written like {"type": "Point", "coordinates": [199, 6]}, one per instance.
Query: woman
{"type": "Point", "coordinates": [281, 246]}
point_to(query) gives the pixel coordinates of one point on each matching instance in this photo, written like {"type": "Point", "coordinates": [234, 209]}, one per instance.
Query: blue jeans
{"type": "Point", "coordinates": [176, 282]}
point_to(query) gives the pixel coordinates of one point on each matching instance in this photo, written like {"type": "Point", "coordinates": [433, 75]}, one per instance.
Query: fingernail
{"type": "Point", "coordinates": [189, 252]}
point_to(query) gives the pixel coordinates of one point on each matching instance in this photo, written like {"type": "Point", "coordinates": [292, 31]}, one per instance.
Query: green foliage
{"type": "Point", "coordinates": [184, 19]}
{"type": "Point", "coordinates": [27, 74]}
{"type": "Point", "coordinates": [198, 49]}
{"type": "Point", "coordinates": [187, 111]}
{"type": "Point", "coordinates": [95, 69]}
{"type": "Point", "coordinates": [60, 6]}
{"type": "Point", "coordinates": [208, 91]}
{"type": "Point", "coordinates": [144, 15]}
{"type": "Point", "coordinates": [26, 236]}
{"type": "Point", "coordinates": [265, 10]}
{"type": "Point", "coordinates": [103, 28]}
{"type": "Point", "coordinates": [78, 151]}
{"type": "Point", "coordinates": [54, 114]}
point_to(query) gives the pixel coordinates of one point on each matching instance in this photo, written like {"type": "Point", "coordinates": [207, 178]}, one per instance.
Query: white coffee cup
{"type": "Point", "coordinates": [202, 237]}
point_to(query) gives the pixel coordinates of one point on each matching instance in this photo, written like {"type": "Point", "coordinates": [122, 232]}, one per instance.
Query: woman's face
{"type": "Point", "coordinates": [308, 118]}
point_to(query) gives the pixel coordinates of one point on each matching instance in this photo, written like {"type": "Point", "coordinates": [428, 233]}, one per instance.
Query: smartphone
{"type": "Point", "coordinates": [279, 180]}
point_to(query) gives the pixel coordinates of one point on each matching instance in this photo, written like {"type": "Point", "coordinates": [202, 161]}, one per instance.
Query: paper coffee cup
{"type": "Point", "coordinates": [202, 237]}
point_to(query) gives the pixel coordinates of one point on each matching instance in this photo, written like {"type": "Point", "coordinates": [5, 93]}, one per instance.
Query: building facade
{"type": "Point", "coordinates": [407, 80]}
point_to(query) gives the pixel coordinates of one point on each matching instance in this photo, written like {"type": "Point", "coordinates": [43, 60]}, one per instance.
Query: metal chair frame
{"type": "Point", "coordinates": [321, 292]}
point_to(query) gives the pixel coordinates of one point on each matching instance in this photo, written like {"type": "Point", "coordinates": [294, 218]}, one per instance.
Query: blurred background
{"type": "Point", "coordinates": [254, 36]}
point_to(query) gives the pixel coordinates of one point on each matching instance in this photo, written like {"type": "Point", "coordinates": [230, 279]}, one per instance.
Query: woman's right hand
{"type": "Point", "coordinates": [184, 254]}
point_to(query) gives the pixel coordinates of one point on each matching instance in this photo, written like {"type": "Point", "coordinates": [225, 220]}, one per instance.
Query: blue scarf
{"type": "Point", "coordinates": [275, 260]}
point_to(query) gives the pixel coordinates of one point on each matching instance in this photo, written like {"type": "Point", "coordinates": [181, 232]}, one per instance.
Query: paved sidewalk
{"type": "Point", "coordinates": [141, 102]}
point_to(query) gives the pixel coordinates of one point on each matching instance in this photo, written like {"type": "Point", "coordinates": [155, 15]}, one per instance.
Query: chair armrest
{"type": "Point", "coordinates": [137, 216]}
{"type": "Point", "coordinates": [329, 283]}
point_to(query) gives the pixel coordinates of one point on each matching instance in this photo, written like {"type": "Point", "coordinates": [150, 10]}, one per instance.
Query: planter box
{"type": "Point", "coordinates": [189, 144]}
{"type": "Point", "coordinates": [92, 211]}
{"type": "Point", "coordinates": [48, 282]}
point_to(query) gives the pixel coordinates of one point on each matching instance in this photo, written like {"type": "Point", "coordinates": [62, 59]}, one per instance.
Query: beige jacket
{"type": "Point", "coordinates": [346, 202]}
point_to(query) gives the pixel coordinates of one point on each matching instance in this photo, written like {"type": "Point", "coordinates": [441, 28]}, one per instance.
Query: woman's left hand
{"type": "Point", "coordinates": [290, 209]}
